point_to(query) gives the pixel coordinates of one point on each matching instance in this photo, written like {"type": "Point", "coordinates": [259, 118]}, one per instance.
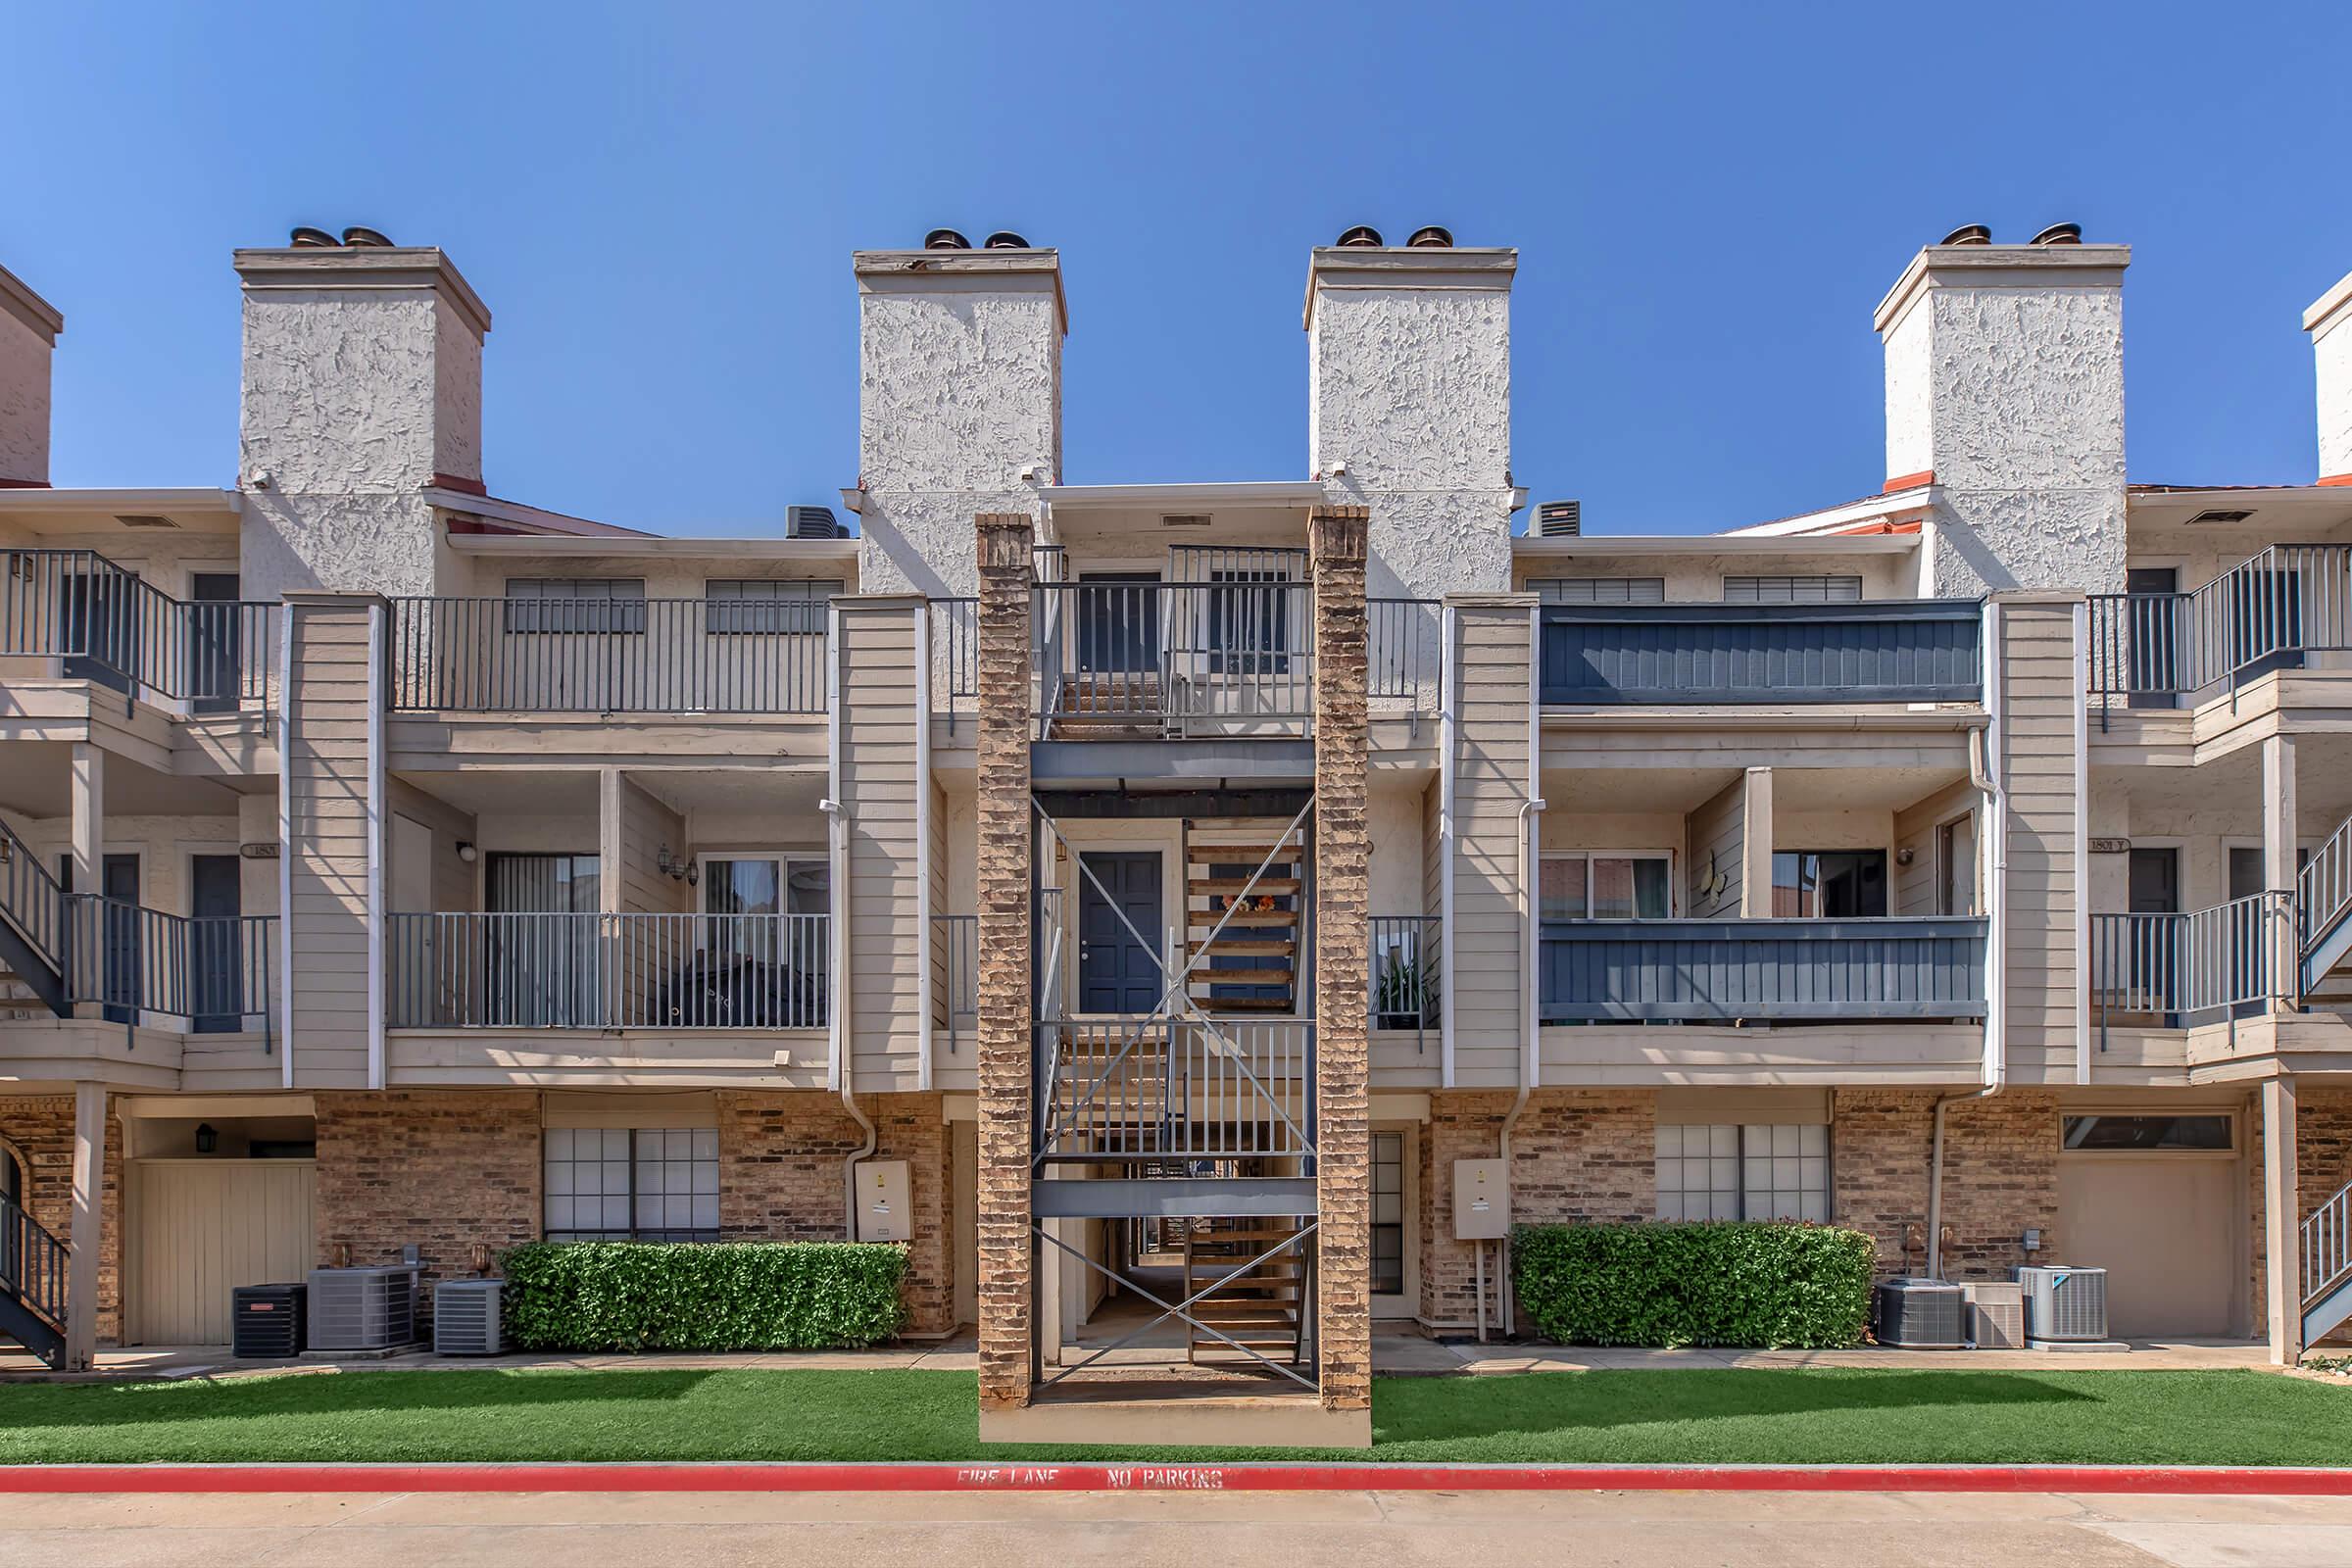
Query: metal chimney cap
{"type": "Point", "coordinates": [357, 235]}
{"type": "Point", "coordinates": [1004, 239]}
{"type": "Point", "coordinates": [945, 240]}
{"type": "Point", "coordinates": [2059, 234]}
{"type": "Point", "coordinates": [306, 238]}
{"type": "Point", "coordinates": [1363, 236]}
{"type": "Point", "coordinates": [1431, 238]}
{"type": "Point", "coordinates": [1967, 235]}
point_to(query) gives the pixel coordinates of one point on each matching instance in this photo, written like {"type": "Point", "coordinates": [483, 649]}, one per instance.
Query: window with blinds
{"type": "Point", "coordinates": [1599, 590]}
{"type": "Point", "coordinates": [738, 605]}
{"type": "Point", "coordinates": [1822, 588]}
{"type": "Point", "coordinates": [575, 604]}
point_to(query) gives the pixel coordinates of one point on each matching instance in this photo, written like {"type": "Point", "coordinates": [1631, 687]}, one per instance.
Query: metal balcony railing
{"type": "Point", "coordinates": [2264, 614]}
{"type": "Point", "coordinates": [1127, 1090]}
{"type": "Point", "coordinates": [956, 977]}
{"type": "Point", "coordinates": [954, 653]}
{"type": "Point", "coordinates": [32, 900]}
{"type": "Point", "coordinates": [209, 973]}
{"type": "Point", "coordinates": [1405, 976]}
{"type": "Point", "coordinates": [2327, 1245]}
{"type": "Point", "coordinates": [1233, 652]}
{"type": "Point", "coordinates": [102, 623]}
{"type": "Point", "coordinates": [609, 656]}
{"type": "Point", "coordinates": [1406, 657]}
{"type": "Point", "coordinates": [1762, 971]}
{"type": "Point", "coordinates": [1889, 651]}
{"type": "Point", "coordinates": [33, 1264]}
{"type": "Point", "coordinates": [588, 970]}
{"type": "Point", "coordinates": [2174, 970]}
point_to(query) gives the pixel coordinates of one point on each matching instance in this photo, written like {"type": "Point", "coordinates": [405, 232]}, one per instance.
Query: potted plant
{"type": "Point", "coordinates": [1398, 999]}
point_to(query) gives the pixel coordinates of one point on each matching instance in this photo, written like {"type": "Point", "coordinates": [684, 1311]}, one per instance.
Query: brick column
{"type": "Point", "coordinates": [1006, 1006]}
{"type": "Point", "coordinates": [1343, 937]}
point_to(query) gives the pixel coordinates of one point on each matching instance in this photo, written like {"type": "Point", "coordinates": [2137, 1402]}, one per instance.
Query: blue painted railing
{"type": "Point", "coordinates": [1888, 651]}
{"type": "Point", "coordinates": [1714, 972]}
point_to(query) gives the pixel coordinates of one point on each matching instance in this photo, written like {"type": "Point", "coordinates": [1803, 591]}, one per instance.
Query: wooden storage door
{"type": "Point", "coordinates": [196, 1229]}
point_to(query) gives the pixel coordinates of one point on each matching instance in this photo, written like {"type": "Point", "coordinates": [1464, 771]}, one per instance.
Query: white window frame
{"type": "Point", "coordinates": [1623, 590]}
{"type": "Point", "coordinates": [1743, 1153]}
{"type": "Point", "coordinates": [1794, 587]}
{"type": "Point", "coordinates": [634, 1164]}
{"type": "Point", "coordinates": [534, 604]}
{"type": "Point", "coordinates": [1588, 856]}
{"type": "Point", "coordinates": [724, 599]}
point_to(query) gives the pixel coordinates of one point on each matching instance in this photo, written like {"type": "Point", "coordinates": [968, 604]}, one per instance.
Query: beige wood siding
{"type": "Point", "coordinates": [647, 825]}
{"type": "Point", "coordinates": [198, 1229]}
{"type": "Point", "coordinates": [454, 880]}
{"type": "Point", "coordinates": [326, 788]}
{"type": "Point", "coordinates": [2040, 697]}
{"type": "Point", "coordinates": [1916, 885]}
{"type": "Point", "coordinates": [1718, 837]}
{"type": "Point", "coordinates": [1486, 946]}
{"type": "Point", "coordinates": [882, 900]}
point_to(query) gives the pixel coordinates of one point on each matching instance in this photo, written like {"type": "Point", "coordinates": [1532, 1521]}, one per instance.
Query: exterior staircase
{"type": "Point", "coordinates": [32, 932]}
{"type": "Point", "coordinates": [1259, 945]}
{"type": "Point", "coordinates": [32, 1286]}
{"type": "Point", "coordinates": [1263, 1308]}
{"type": "Point", "coordinates": [2323, 918]}
{"type": "Point", "coordinates": [2327, 1266]}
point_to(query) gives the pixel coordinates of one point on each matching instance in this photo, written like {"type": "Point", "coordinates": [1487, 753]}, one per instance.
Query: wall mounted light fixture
{"type": "Point", "coordinates": [207, 1140]}
{"type": "Point", "coordinates": [466, 852]}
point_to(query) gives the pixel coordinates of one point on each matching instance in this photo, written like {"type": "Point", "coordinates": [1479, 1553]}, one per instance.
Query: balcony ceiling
{"type": "Point", "coordinates": [533, 791]}
{"type": "Point", "coordinates": [1794, 789]}
{"type": "Point", "coordinates": [37, 783]}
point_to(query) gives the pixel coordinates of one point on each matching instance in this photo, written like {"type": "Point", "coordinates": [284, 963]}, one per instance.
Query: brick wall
{"type": "Point", "coordinates": [442, 1169]}
{"type": "Point", "coordinates": [1576, 1155]}
{"type": "Point", "coordinates": [780, 1179]}
{"type": "Point", "coordinates": [39, 1131]}
{"type": "Point", "coordinates": [2000, 1176]}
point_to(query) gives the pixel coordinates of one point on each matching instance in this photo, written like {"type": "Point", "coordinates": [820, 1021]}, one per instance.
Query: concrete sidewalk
{"type": "Point", "coordinates": [1396, 1352]}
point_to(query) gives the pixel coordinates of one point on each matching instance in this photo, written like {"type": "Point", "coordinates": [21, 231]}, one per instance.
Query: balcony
{"type": "Point", "coordinates": [1126, 660]}
{"type": "Point", "coordinates": [731, 972]}
{"type": "Point", "coordinates": [2176, 971]}
{"type": "Point", "coordinates": [74, 615]}
{"type": "Point", "coordinates": [1762, 971]}
{"type": "Point", "coordinates": [1404, 975]}
{"type": "Point", "coordinates": [2269, 611]}
{"type": "Point", "coordinates": [609, 656]}
{"type": "Point", "coordinates": [1892, 650]}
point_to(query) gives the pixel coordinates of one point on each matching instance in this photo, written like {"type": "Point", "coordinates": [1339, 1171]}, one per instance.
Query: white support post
{"type": "Point", "coordinates": [2278, 868]}
{"type": "Point", "coordinates": [1755, 845]}
{"type": "Point", "coordinates": [85, 1237]}
{"type": "Point", "coordinates": [2281, 1221]}
{"type": "Point", "coordinates": [88, 787]}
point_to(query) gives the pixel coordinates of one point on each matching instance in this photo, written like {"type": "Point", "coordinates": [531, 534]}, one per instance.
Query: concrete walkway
{"type": "Point", "coordinates": [1310, 1529]}
{"type": "Point", "coordinates": [1396, 1352]}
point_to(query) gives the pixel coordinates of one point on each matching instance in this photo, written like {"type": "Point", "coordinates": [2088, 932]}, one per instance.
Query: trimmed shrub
{"type": "Point", "coordinates": [724, 1296]}
{"type": "Point", "coordinates": [1751, 1285]}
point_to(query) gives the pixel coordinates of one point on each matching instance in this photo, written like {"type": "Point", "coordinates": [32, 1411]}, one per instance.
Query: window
{"type": "Point", "coordinates": [1756, 1171]}
{"type": "Point", "coordinates": [1834, 884]}
{"type": "Point", "coordinates": [1599, 590]}
{"type": "Point", "coordinates": [1604, 886]}
{"type": "Point", "coordinates": [643, 1184]}
{"type": "Point", "coordinates": [2095, 1134]}
{"type": "Point", "coordinates": [1957, 866]}
{"type": "Point", "coordinates": [736, 605]}
{"type": "Point", "coordinates": [1800, 589]}
{"type": "Point", "coordinates": [575, 603]}
{"type": "Point", "coordinates": [1388, 1213]}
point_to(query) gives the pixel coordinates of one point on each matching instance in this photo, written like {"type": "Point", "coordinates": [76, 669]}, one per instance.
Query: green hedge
{"type": "Point", "coordinates": [1770, 1286]}
{"type": "Point", "coordinates": [728, 1296]}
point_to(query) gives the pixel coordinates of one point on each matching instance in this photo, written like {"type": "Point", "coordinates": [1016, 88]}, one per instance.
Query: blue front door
{"type": "Point", "coordinates": [1115, 972]}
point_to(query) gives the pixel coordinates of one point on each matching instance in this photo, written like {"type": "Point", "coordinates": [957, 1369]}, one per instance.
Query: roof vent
{"type": "Point", "coordinates": [143, 519]}
{"type": "Point", "coordinates": [1560, 519]}
{"type": "Point", "coordinates": [1432, 239]}
{"type": "Point", "coordinates": [2222, 514]}
{"type": "Point", "coordinates": [2060, 235]}
{"type": "Point", "coordinates": [1363, 236]}
{"type": "Point", "coordinates": [356, 235]}
{"type": "Point", "coordinates": [1004, 239]}
{"type": "Point", "coordinates": [812, 522]}
{"type": "Point", "coordinates": [1184, 520]}
{"type": "Point", "coordinates": [307, 238]}
{"type": "Point", "coordinates": [1967, 235]}
{"type": "Point", "coordinates": [945, 240]}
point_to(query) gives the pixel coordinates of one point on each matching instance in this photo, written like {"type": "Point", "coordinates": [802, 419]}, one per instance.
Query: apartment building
{"type": "Point", "coordinates": [1198, 917]}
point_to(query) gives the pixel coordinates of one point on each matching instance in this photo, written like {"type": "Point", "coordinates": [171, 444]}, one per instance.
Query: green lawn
{"type": "Point", "coordinates": [2229, 1417]}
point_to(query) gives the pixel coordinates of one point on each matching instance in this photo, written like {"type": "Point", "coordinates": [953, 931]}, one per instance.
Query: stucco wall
{"type": "Point", "coordinates": [24, 401]}
{"type": "Point", "coordinates": [2332, 352]}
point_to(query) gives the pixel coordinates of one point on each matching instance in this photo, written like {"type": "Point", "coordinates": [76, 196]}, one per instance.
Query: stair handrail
{"type": "Point", "coordinates": [2328, 1245]}
{"type": "Point", "coordinates": [2324, 889]}
{"type": "Point", "coordinates": [33, 1264]}
{"type": "Point", "coordinates": [33, 899]}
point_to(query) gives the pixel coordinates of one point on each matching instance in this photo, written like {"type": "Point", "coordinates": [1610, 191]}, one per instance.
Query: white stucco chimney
{"type": "Point", "coordinates": [1410, 407]}
{"type": "Point", "coordinates": [2005, 389]}
{"type": "Point", "coordinates": [958, 404]}
{"type": "Point", "coordinates": [363, 386]}
{"type": "Point", "coordinates": [2330, 323]}
{"type": "Point", "coordinates": [29, 328]}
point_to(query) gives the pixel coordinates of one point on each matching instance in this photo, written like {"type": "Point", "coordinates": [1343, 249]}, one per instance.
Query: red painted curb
{"type": "Point", "coordinates": [1046, 1477]}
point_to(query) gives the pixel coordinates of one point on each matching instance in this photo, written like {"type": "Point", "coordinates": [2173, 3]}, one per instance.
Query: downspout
{"type": "Point", "coordinates": [1446, 782]}
{"type": "Point", "coordinates": [1531, 1056]}
{"type": "Point", "coordinates": [1983, 748]}
{"type": "Point", "coordinates": [837, 986]}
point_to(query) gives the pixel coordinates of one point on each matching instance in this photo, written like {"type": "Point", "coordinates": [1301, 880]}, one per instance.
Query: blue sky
{"type": "Point", "coordinates": [659, 202]}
